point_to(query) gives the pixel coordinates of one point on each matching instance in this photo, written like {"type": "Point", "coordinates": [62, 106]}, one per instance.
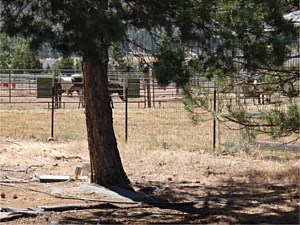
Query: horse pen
{"type": "Point", "coordinates": [166, 157]}
{"type": "Point", "coordinates": [62, 91]}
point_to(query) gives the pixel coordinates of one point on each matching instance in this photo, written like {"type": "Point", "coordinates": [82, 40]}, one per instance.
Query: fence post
{"type": "Point", "coordinates": [147, 76]}
{"type": "Point", "coordinates": [29, 84]}
{"type": "Point", "coordinates": [54, 102]}
{"type": "Point", "coordinates": [153, 91]}
{"type": "Point", "coordinates": [9, 87]}
{"type": "Point", "coordinates": [52, 111]}
{"type": "Point", "coordinates": [214, 117]}
{"type": "Point", "coordinates": [126, 110]}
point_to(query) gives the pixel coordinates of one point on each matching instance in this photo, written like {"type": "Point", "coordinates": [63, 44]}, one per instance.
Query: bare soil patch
{"type": "Point", "coordinates": [184, 186]}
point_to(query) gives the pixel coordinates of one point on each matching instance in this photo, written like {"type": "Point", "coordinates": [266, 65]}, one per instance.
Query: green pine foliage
{"type": "Point", "coordinates": [15, 53]}
{"type": "Point", "coordinates": [65, 63]}
{"type": "Point", "coordinates": [171, 65]}
{"type": "Point", "coordinates": [284, 123]}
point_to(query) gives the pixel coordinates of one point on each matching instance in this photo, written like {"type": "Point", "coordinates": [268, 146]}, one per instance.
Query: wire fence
{"type": "Point", "coordinates": [233, 136]}
{"type": "Point", "coordinates": [156, 115]}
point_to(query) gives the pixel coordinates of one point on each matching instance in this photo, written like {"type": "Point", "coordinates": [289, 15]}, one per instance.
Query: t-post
{"type": "Point", "coordinates": [214, 117]}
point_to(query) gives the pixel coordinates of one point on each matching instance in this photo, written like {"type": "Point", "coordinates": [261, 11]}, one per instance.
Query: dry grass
{"type": "Point", "coordinates": [36, 124]}
{"type": "Point", "coordinates": [149, 127]}
{"type": "Point", "coordinates": [162, 139]}
{"type": "Point", "coordinates": [164, 151]}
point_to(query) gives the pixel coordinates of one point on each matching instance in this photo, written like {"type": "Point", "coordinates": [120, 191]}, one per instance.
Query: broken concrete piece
{"type": "Point", "coordinates": [82, 170]}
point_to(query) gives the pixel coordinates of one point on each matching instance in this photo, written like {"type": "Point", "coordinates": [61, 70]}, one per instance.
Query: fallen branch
{"type": "Point", "coordinates": [61, 208]}
{"type": "Point", "coordinates": [22, 170]}
{"type": "Point", "coordinates": [5, 217]}
{"type": "Point", "coordinates": [13, 180]}
{"type": "Point", "coordinates": [36, 165]}
{"type": "Point", "coordinates": [9, 214]}
{"type": "Point", "coordinates": [12, 142]}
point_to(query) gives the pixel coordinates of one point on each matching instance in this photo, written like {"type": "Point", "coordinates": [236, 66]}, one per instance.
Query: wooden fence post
{"type": "Point", "coordinates": [147, 80]}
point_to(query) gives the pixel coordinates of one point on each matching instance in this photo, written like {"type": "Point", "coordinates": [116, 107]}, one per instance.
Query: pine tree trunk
{"type": "Point", "coordinates": [106, 166]}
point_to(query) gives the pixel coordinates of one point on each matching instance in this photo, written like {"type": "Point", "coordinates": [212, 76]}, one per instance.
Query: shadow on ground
{"type": "Point", "coordinates": [192, 202]}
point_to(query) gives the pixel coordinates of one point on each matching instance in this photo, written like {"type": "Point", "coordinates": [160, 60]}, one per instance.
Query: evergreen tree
{"type": "Point", "coordinates": [89, 28]}
{"type": "Point", "coordinates": [117, 57]}
{"type": "Point", "coordinates": [170, 65]}
{"type": "Point", "coordinates": [239, 39]}
{"type": "Point", "coordinates": [5, 51]}
{"type": "Point", "coordinates": [15, 53]}
{"type": "Point", "coordinates": [66, 63]}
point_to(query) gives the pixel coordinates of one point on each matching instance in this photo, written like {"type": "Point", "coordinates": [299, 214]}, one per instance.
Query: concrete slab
{"type": "Point", "coordinates": [117, 193]}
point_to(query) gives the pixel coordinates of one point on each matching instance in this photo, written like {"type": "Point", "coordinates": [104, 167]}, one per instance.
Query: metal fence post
{"type": "Point", "coordinates": [9, 87]}
{"type": "Point", "coordinates": [147, 76]}
{"type": "Point", "coordinates": [52, 113]}
{"type": "Point", "coordinates": [214, 117]}
{"type": "Point", "coordinates": [126, 110]}
{"type": "Point", "coordinates": [54, 99]}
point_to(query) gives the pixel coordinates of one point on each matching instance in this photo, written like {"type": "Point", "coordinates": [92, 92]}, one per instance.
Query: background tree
{"type": "Point", "coordinates": [65, 63]}
{"type": "Point", "coordinates": [171, 65]}
{"type": "Point", "coordinates": [46, 51]}
{"type": "Point", "coordinates": [16, 53]}
{"type": "Point", "coordinates": [117, 57]}
{"type": "Point", "coordinates": [5, 49]}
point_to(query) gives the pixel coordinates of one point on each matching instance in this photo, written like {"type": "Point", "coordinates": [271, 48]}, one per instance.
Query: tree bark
{"type": "Point", "coordinates": [106, 165]}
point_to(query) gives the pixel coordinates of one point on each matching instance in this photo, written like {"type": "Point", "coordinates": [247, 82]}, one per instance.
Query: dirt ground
{"type": "Point", "coordinates": [180, 187]}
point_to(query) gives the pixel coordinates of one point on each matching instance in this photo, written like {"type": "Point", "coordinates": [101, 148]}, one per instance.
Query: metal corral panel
{"type": "Point", "coordinates": [44, 87]}
{"type": "Point", "coordinates": [133, 88]}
